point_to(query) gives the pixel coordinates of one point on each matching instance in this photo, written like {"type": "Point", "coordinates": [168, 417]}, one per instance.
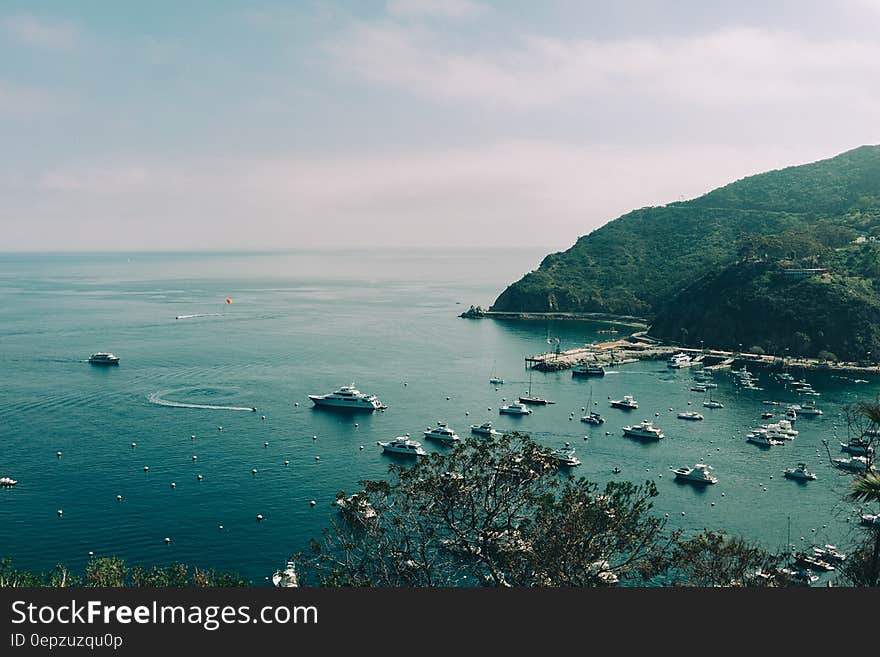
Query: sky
{"type": "Point", "coordinates": [218, 125]}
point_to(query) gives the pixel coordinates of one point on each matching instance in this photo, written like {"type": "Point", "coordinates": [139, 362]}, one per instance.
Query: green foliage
{"type": "Point", "coordinates": [113, 572]}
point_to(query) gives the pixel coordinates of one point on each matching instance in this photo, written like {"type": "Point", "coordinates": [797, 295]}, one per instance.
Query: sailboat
{"type": "Point", "coordinates": [528, 399]}
{"type": "Point", "coordinates": [712, 403]}
{"type": "Point", "coordinates": [494, 379]}
{"type": "Point", "coordinates": [592, 417]}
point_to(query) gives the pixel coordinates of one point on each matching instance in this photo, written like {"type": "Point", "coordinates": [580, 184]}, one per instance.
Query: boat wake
{"type": "Point", "coordinates": [156, 398]}
{"type": "Point", "coordinates": [199, 315]}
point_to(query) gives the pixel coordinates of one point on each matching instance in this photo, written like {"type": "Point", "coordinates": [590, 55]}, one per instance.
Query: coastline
{"type": "Point", "coordinates": [628, 320]}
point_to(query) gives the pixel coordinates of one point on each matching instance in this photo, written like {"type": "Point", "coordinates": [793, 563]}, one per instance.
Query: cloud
{"type": "Point", "coordinates": [17, 100]}
{"type": "Point", "coordinates": [508, 193]}
{"type": "Point", "coordinates": [734, 65]}
{"type": "Point", "coordinates": [436, 8]}
{"type": "Point", "coordinates": [41, 33]}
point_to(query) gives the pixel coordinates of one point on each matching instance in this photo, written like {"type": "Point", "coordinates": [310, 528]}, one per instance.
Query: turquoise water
{"type": "Point", "coordinates": [302, 323]}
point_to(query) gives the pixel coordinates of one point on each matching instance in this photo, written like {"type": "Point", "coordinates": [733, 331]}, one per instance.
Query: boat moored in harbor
{"type": "Point", "coordinates": [799, 472]}
{"type": "Point", "coordinates": [403, 445]}
{"type": "Point", "coordinates": [627, 403]}
{"type": "Point", "coordinates": [690, 415]}
{"type": "Point", "coordinates": [699, 474]}
{"type": "Point", "coordinates": [645, 430]}
{"type": "Point", "coordinates": [565, 457]}
{"type": "Point", "coordinates": [515, 408]}
{"type": "Point", "coordinates": [103, 358]}
{"type": "Point", "coordinates": [7, 482]}
{"type": "Point", "coordinates": [349, 397]}
{"type": "Point", "coordinates": [441, 432]}
{"type": "Point", "coordinates": [485, 429]}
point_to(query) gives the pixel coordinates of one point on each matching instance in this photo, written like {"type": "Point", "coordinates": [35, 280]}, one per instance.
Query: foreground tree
{"type": "Point", "coordinates": [492, 512]}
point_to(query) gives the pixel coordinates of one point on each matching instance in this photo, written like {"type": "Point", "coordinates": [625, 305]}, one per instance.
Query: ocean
{"type": "Point", "coordinates": [301, 323]}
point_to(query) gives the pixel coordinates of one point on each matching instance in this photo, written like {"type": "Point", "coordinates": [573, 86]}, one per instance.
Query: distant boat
{"type": "Point", "coordinates": [857, 447]}
{"type": "Point", "coordinates": [103, 358]}
{"type": "Point", "coordinates": [485, 429]}
{"type": "Point", "coordinates": [7, 482]}
{"type": "Point", "coordinates": [403, 445]}
{"type": "Point", "coordinates": [515, 408]}
{"type": "Point", "coordinates": [690, 415]}
{"type": "Point", "coordinates": [441, 432]}
{"type": "Point", "coordinates": [809, 408]}
{"type": "Point", "coordinates": [699, 474]}
{"type": "Point", "coordinates": [854, 464]}
{"type": "Point", "coordinates": [348, 397]}
{"type": "Point", "coordinates": [286, 578]}
{"type": "Point", "coordinates": [762, 438]}
{"type": "Point", "coordinates": [528, 399]}
{"type": "Point", "coordinates": [627, 403]}
{"type": "Point", "coordinates": [583, 369]}
{"type": "Point", "coordinates": [677, 361]}
{"type": "Point", "coordinates": [494, 379]}
{"type": "Point", "coordinates": [565, 456]}
{"type": "Point", "coordinates": [645, 429]}
{"type": "Point", "coordinates": [712, 403]}
{"type": "Point", "coordinates": [592, 417]}
{"type": "Point", "coordinates": [799, 472]}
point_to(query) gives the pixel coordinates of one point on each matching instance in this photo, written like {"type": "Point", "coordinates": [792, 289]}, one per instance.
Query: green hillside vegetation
{"type": "Point", "coordinates": [703, 269]}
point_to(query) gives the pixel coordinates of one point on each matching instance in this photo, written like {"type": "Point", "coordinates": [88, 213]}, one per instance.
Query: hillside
{"type": "Point", "coordinates": [637, 263]}
{"type": "Point", "coordinates": [756, 307]}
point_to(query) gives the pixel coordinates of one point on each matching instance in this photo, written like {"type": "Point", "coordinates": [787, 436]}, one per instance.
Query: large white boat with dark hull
{"type": "Point", "coordinates": [104, 358]}
{"type": "Point", "coordinates": [699, 474]}
{"type": "Point", "coordinates": [644, 430]}
{"type": "Point", "coordinates": [799, 473]}
{"type": "Point", "coordinates": [585, 369]}
{"type": "Point", "coordinates": [403, 445]}
{"type": "Point", "coordinates": [441, 432]}
{"type": "Point", "coordinates": [485, 429]}
{"type": "Point", "coordinates": [515, 408]}
{"type": "Point", "coordinates": [349, 397]}
{"type": "Point", "coordinates": [627, 403]}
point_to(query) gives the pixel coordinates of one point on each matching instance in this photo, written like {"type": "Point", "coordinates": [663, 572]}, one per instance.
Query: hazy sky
{"type": "Point", "coordinates": [249, 125]}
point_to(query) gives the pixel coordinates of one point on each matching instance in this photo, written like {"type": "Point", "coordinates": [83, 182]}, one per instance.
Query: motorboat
{"type": "Point", "coordinates": [771, 403]}
{"type": "Point", "coordinates": [286, 578]}
{"type": "Point", "coordinates": [699, 474]}
{"type": "Point", "coordinates": [783, 428]}
{"type": "Point", "coordinates": [645, 429]}
{"type": "Point", "coordinates": [515, 408]}
{"type": "Point", "coordinates": [799, 472]}
{"type": "Point", "coordinates": [711, 403]}
{"type": "Point", "coordinates": [584, 369]}
{"type": "Point", "coordinates": [858, 447]}
{"type": "Point", "coordinates": [766, 416]}
{"type": "Point", "coordinates": [103, 358]}
{"type": "Point", "coordinates": [698, 388]}
{"type": "Point", "coordinates": [829, 553]}
{"type": "Point", "coordinates": [690, 415]}
{"type": "Point", "coordinates": [626, 403]}
{"type": "Point", "coordinates": [809, 408]}
{"type": "Point", "coordinates": [7, 482]}
{"type": "Point", "coordinates": [812, 562]}
{"type": "Point", "coordinates": [441, 432]}
{"type": "Point", "coordinates": [800, 576]}
{"type": "Point", "coordinates": [791, 415]}
{"type": "Point", "coordinates": [403, 445]}
{"type": "Point", "coordinates": [496, 381]}
{"type": "Point", "coordinates": [870, 519]}
{"type": "Point", "coordinates": [356, 506]}
{"type": "Point", "coordinates": [565, 457]}
{"type": "Point", "coordinates": [854, 464]}
{"type": "Point", "coordinates": [485, 429]}
{"type": "Point", "coordinates": [349, 397]}
{"type": "Point", "coordinates": [680, 360]}
{"type": "Point", "coordinates": [762, 438]}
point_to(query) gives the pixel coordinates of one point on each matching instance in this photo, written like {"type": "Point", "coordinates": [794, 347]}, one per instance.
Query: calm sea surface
{"type": "Point", "coordinates": [302, 323]}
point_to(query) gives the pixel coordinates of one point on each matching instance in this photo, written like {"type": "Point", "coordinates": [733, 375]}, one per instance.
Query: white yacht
{"type": "Point", "coordinates": [515, 408]}
{"type": "Point", "coordinates": [784, 426]}
{"type": "Point", "coordinates": [854, 464]}
{"type": "Point", "coordinates": [690, 415]}
{"type": "Point", "coordinates": [103, 358]}
{"type": "Point", "coordinates": [7, 482]}
{"type": "Point", "coordinates": [762, 438]}
{"type": "Point", "coordinates": [809, 408]}
{"type": "Point", "coordinates": [699, 474]}
{"type": "Point", "coordinates": [485, 429]}
{"type": "Point", "coordinates": [626, 403]}
{"type": "Point", "coordinates": [495, 380]}
{"type": "Point", "coordinates": [592, 418]}
{"type": "Point", "coordinates": [829, 553]}
{"type": "Point", "coordinates": [286, 578]}
{"type": "Point", "coordinates": [349, 397]}
{"type": "Point", "coordinates": [645, 429]}
{"type": "Point", "coordinates": [799, 472]}
{"type": "Point", "coordinates": [678, 361]}
{"type": "Point", "coordinates": [712, 403]}
{"type": "Point", "coordinates": [403, 445]}
{"type": "Point", "coordinates": [791, 415]}
{"type": "Point", "coordinates": [870, 519]}
{"type": "Point", "coordinates": [441, 432]}
{"type": "Point", "coordinates": [565, 456]}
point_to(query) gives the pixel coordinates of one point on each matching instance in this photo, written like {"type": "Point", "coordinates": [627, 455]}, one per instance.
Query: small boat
{"type": "Point", "coordinates": [626, 403]}
{"type": "Point", "coordinates": [7, 482]}
{"type": "Point", "coordinates": [441, 432]}
{"type": "Point", "coordinates": [699, 474]}
{"type": "Point", "coordinates": [762, 438]}
{"type": "Point", "coordinates": [690, 415]}
{"type": "Point", "coordinates": [403, 445]}
{"type": "Point", "coordinates": [809, 408]}
{"type": "Point", "coordinates": [565, 457]}
{"type": "Point", "coordinates": [829, 553]}
{"type": "Point", "coordinates": [515, 408]}
{"type": "Point", "coordinates": [799, 472]}
{"type": "Point", "coordinates": [529, 399]}
{"type": "Point", "coordinates": [800, 576]}
{"type": "Point", "coordinates": [858, 447]}
{"type": "Point", "coordinates": [870, 519]}
{"type": "Point", "coordinates": [771, 403]}
{"type": "Point", "coordinates": [791, 415]}
{"type": "Point", "coordinates": [766, 416]}
{"type": "Point", "coordinates": [485, 429]}
{"type": "Point", "coordinates": [286, 578]}
{"type": "Point", "coordinates": [583, 369]}
{"type": "Point", "coordinates": [700, 388]}
{"type": "Point", "coordinates": [494, 379]}
{"type": "Point", "coordinates": [677, 361]}
{"type": "Point", "coordinates": [854, 464]}
{"type": "Point", "coordinates": [812, 562]}
{"type": "Point", "coordinates": [356, 506]}
{"type": "Point", "coordinates": [713, 404]}
{"type": "Point", "coordinates": [592, 417]}
{"type": "Point", "coordinates": [103, 358]}
{"type": "Point", "coordinates": [645, 429]}
{"type": "Point", "coordinates": [784, 426]}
